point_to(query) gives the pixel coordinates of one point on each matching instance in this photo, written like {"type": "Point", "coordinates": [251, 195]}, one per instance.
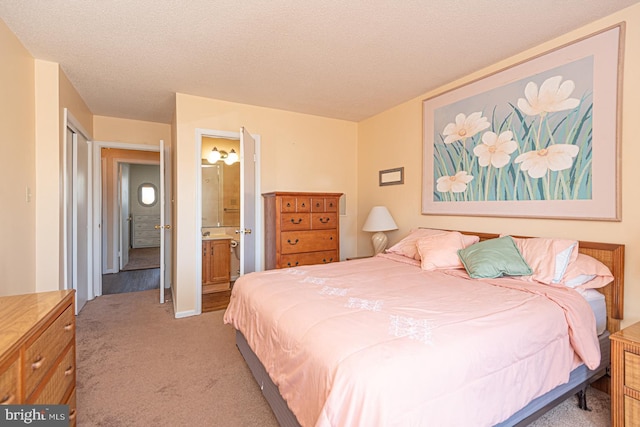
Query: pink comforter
{"type": "Point", "coordinates": [376, 342]}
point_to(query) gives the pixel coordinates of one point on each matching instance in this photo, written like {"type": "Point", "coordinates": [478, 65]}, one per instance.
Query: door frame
{"type": "Point", "coordinates": [97, 202]}
{"type": "Point", "coordinates": [68, 221]}
{"type": "Point", "coordinates": [258, 229]}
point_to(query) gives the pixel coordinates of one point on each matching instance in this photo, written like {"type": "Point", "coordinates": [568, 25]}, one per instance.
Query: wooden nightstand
{"type": "Point", "coordinates": [625, 377]}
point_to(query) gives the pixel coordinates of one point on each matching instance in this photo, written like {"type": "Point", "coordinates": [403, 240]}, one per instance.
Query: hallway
{"type": "Point", "coordinates": [141, 273]}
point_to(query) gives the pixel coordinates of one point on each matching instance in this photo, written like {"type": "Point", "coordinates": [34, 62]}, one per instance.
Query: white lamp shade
{"type": "Point", "coordinates": [232, 157]}
{"type": "Point", "coordinates": [379, 219]}
{"type": "Point", "coordinates": [213, 156]}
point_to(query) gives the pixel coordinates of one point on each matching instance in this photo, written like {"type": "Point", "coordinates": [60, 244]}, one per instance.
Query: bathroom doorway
{"type": "Point", "coordinates": [229, 197]}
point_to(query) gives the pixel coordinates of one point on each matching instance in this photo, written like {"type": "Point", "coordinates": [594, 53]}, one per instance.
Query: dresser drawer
{"type": "Point", "coordinates": [295, 204]}
{"type": "Point", "coordinates": [324, 204]}
{"type": "Point", "coordinates": [42, 353]}
{"type": "Point", "coordinates": [309, 258]}
{"type": "Point", "coordinates": [9, 384]}
{"type": "Point", "coordinates": [148, 234]}
{"type": "Point", "coordinates": [73, 409]}
{"type": "Point", "coordinates": [147, 242]}
{"type": "Point", "coordinates": [63, 376]}
{"type": "Point", "coordinates": [631, 411]}
{"type": "Point", "coordinates": [308, 241]}
{"type": "Point", "coordinates": [295, 221]}
{"type": "Point", "coordinates": [632, 370]}
{"type": "Point", "coordinates": [324, 221]}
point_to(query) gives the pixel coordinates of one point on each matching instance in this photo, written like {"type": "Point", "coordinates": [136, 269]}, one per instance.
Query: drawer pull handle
{"type": "Point", "coordinates": [303, 205]}
{"type": "Point", "coordinates": [68, 327]}
{"type": "Point", "coordinates": [289, 264]}
{"type": "Point", "coordinates": [68, 371]}
{"type": "Point", "coordinates": [37, 363]}
{"type": "Point", "coordinates": [8, 399]}
{"type": "Point", "coordinates": [294, 243]}
{"type": "Point", "coordinates": [317, 205]}
{"type": "Point", "coordinates": [331, 238]}
{"type": "Point", "coordinates": [72, 414]}
{"type": "Point", "coordinates": [288, 205]}
{"type": "Point", "coordinates": [325, 220]}
{"type": "Point", "coordinates": [325, 260]}
{"type": "Point", "coordinates": [293, 221]}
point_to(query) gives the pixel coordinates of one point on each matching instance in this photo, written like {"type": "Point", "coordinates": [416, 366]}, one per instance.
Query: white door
{"type": "Point", "coordinates": [125, 213]}
{"type": "Point", "coordinates": [165, 228]}
{"type": "Point", "coordinates": [248, 205]}
{"type": "Point", "coordinates": [80, 205]}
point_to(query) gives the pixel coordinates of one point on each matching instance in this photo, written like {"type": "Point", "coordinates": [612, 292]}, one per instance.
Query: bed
{"type": "Point", "coordinates": [382, 341]}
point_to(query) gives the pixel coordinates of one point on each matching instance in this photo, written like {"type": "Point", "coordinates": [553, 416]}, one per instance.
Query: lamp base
{"type": "Point", "coordinates": [379, 241]}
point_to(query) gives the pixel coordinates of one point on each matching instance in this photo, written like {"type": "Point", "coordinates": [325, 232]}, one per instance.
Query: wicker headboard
{"type": "Point", "coordinates": [611, 255]}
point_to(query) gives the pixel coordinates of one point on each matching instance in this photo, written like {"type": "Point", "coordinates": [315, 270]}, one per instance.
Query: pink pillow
{"type": "Point", "coordinates": [586, 273]}
{"type": "Point", "coordinates": [407, 246]}
{"type": "Point", "coordinates": [548, 258]}
{"type": "Point", "coordinates": [440, 251]}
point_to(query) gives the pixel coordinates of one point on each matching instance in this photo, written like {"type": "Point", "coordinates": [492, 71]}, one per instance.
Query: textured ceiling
{"type": "Point", "coordinates": [333, 58]}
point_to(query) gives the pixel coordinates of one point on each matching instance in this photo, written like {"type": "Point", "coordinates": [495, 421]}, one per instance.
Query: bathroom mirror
{"type": "Point", "coordinates": [220, 186]}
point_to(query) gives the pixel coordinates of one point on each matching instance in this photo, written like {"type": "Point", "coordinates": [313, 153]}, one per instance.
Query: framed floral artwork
{"type": "Point", "coordinates": [537, 139]}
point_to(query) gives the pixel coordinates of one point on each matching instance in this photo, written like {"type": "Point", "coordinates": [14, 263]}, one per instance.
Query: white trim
{"type": "Point", "coordinates": [181, 314]}
{"type": "Point", "coordinates": [74, 124]}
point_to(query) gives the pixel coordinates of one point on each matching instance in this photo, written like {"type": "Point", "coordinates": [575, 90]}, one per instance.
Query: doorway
{"type": "Point", "coordinates": [247, 230]}
{"type": "Point", "coordinates": [126, 173]}
{"type": "Point", "coordinates": [135, 242]}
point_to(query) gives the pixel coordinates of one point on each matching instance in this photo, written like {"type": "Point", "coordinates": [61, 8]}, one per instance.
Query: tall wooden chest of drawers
{"type": "Point", "coordinates": [625, 377]}
{"type": "Point", "coordinates": [301, 229]}
{"type": "Point", "coordinates": [37, 350]}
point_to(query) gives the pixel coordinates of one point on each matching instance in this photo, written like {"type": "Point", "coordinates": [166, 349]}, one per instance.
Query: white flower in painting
{"type": "Point", "coordinates": [495, 149]}
{"type": "Point", "coordinates": [551, 97]}
{"type": "Point", "coordinates": [456, 183]}
{"type": "Point", "coordinates": [556, 157]}
{"type": "Point", "coordinates": [465, 127]}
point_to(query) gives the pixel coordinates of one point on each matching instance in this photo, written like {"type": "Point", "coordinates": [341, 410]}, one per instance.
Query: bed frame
{"type": "Point", "coordinates": [610, 254]}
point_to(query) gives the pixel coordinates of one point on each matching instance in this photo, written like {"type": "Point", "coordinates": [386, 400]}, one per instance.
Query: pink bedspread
{"type": "Point", "coordinates": [376, 342]}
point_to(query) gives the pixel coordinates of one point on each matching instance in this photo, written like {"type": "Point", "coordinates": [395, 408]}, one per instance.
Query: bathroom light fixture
{"type": "Point", "coordinates": [379, 220]}
{"type": "Point", "coordinates": [229, 158]}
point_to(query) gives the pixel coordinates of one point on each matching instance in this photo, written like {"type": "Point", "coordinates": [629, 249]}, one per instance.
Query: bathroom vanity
{"type": "Point", "coordinates": [216, 275]}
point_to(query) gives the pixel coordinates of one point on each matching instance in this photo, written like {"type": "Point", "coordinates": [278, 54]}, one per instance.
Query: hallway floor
{"type": "Point", "coordinates": [131, 281]}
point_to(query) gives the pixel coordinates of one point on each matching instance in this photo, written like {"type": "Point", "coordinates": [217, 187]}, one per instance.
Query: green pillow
{"type": "Point", "coordinates": [494, 258]}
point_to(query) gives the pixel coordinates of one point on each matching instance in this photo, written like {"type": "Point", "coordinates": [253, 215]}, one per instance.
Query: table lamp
{"type": "Point", "coordinates": [378, 221]}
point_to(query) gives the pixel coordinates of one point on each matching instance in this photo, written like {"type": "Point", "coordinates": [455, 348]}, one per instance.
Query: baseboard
{"type": "Point", "coordinates": [181, 314]}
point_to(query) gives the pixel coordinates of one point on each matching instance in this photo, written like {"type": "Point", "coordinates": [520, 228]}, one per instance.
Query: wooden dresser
{"type": "Point", "coordinates": [37, 350]}
{"type": "Point", "coordinates": [625, 377]}
{"type": "Point", "coordinates": [301, 229]}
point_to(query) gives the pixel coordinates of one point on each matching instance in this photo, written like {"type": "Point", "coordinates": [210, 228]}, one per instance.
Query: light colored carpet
{"type": "Point", "coordinates": [139, 366]}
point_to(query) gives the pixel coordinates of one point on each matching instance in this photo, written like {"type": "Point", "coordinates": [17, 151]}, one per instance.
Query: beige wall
{"type": "Point", "coordinates": [298, 153]}
{"type": "Point", "coordinates": [394, 138]}
{"type": "Point", "coordinates": [17, 167]}
{"type": "Point", "coordinates": [112, 129]}
{"type": "Point", "coordinates": [53, 94]}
